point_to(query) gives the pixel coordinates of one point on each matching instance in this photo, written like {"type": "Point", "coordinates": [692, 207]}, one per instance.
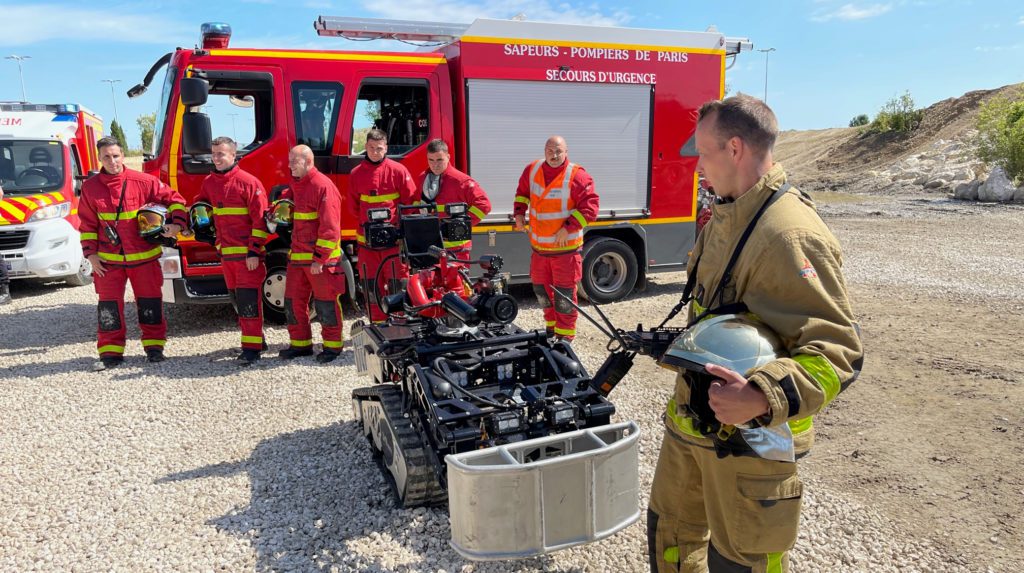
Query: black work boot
{"type": "Point", "coordinates": [248, 356]}
{"type": "Point", "coordinates": [327, 356]}
{"type": "Point", "coordinates": [5, 291]}
{"type": "Point", "coordinates": [106, 362]}
{"type": "Point", "coordinates": [295, 352]}
{"type": "Point", "coordinates": [155, 355]}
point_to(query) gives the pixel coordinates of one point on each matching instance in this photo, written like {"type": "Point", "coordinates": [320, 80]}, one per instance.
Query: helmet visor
{"type": "Point", "coordinates": [150, 223]}
{"type": "Point", "coordinates": [200, 215]}
{"type": "Point", "coordinates": [282, 212]}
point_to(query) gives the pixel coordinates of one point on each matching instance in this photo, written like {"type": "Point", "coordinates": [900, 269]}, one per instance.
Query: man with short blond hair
{"type": "Point", "coordinates": [239, 203]}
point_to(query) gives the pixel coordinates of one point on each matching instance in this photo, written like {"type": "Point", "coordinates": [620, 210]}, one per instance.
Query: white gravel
{"type": "Point", "coordinates": [198, 465]}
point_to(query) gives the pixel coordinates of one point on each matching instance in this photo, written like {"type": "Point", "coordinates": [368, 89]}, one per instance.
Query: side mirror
{"type": "Point", "coordinates": [194, 92]}
{"type": "Point", "coordinates": [197, 135]}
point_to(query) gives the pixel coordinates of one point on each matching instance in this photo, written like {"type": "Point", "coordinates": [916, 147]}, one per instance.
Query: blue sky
{"type": "Point", "coordinates": [834, 59]}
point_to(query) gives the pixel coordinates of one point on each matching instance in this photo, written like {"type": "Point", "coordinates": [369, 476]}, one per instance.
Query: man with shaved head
{"type": "Point", "coordinates": [313, 267]}
{"type": "Point", "coordinates": [561, 201]}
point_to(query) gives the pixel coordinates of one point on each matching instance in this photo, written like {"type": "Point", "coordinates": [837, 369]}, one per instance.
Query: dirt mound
{"type": "Point", "coordinates": [831, 158]}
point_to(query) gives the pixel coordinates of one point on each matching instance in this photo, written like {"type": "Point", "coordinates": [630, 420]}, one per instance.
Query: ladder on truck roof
{"type": "Point", "coordinates": [445, 33]}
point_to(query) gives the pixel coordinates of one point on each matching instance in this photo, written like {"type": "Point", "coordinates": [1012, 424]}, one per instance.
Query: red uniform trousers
{"type": "Point", "coordinates": [244, 286]}
{"type": "Point", "coordinates": [393, 277]}
{"type": "Point", "coordinates": [146, 282]}
{"type": "Point", "coordinates": [326, 288]}
{"type": "Point", "coordinates": [561, 272]}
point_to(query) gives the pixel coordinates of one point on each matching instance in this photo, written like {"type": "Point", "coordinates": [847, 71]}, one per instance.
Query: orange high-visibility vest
{"type": "Point", "coordinates": [550, 206]}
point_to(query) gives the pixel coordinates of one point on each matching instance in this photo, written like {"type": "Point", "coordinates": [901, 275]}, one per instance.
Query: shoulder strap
{"type": "Point", "coordinates": [691, 278]}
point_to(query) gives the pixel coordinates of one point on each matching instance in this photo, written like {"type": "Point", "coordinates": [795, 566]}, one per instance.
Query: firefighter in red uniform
{"type": "Point", "coordinates": [379, 182]}
{"type": "Point", "coordinates": [443, 184]}
{"type": "Point", "coordinates": [561, 200]}
{"type": "Point", "coordinates": [313, 262]}
{"type": "Point", "coordinates": [239, 202]}
{"type": "Point", "coordinates": [118, 253]}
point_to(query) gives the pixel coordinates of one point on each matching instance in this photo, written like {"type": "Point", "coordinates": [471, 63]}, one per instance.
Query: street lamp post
{"type": "Point", "coordinates": [112, 98]}
{"type": "Point", "coordinates": [766, 52]}
{"type": "Point", "coordinates": [234, 134]}
{"type": "Point", "coordinates": [21, 75]}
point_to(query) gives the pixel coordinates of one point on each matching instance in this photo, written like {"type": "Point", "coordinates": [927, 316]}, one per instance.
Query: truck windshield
{"type": "Point", "coordinates": [31, 166]}
{"type": "Point", "coordinates": [162, 111]}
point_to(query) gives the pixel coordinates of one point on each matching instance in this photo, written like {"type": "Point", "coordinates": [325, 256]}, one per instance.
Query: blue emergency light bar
{"type": "Point", "coordinates": [50, 107]}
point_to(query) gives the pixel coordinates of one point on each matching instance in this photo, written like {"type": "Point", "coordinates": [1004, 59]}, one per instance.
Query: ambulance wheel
{"type": "Point", "coordinates": [272, 291]}
{"type": "Point", "coordinates": [83, 276]}
{"type": "Point", "coordinates": [609, 270]}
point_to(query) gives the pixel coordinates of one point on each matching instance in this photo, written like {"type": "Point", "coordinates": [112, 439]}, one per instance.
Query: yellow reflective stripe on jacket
{"type": "Point", "coordinates": [300, 256]}
{"type": "Point", "coordinates": [259, 234]}
{"type": "Point", "coordinates": [521, 199]}
{"type": "Point", "coordinates": [111, 348]}
{"type": "Point", "coordinates": [821, 370]}
{"type": "Point", "coordinates": [89, 236]}
{"type": "Point", "coordinates": [154, 252]}
{"type": "Point", "coordinates": [360, 239]}
{"type": "Point", "coordinates": [378, 198]}
{"type": "Point", "coordinates": [685, 423]}
{"type": "Point", "coordinates": [234, 250]}
{"type": "Point", "coordinates": [479, 214]}
{"type": "Point", "coordinates": [230, 211]}
{"type": "Point", "coordinates": [125, 216]}
{"type": "Point", "coordinates": [579, 217]}
{"type": "Point", "coordinates": [454, 244]}
{"type": "Point", "coordinates": [175, 206]}
{"type": "Point", "coordinates": [326, 243]}
{"type": "Point", "coordinates": [306, 216]}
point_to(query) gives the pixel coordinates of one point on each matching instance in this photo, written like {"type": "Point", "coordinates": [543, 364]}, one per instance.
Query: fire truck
{"type": "Point", "coordinates": [46, 152]}
{"type": "Point", "coordinates": [494, 90]}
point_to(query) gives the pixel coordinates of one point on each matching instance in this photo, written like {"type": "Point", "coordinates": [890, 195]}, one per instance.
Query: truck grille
{"type": "Point", "coordinates": [13, 240]}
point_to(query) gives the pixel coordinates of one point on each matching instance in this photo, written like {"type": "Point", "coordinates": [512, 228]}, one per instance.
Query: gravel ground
{"type": "Point", "coordinates": [197, 465]}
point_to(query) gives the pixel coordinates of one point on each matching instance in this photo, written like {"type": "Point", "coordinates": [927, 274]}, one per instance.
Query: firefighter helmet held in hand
{"type": "Point", "coordinates": [735, 341]}
{"type": "Point", "coordinates": [280, 215]}
{"type": "Point", "coordinates": [200, 218]}
{"type": "Point", "coordinates": [151, 219]}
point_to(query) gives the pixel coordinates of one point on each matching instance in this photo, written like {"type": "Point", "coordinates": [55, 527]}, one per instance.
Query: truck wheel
{"type": "Point", "coordinates": [609, 270]}
{"type": "Point", "coordinates": [83, 276]}
{"type": "Point", "coordinates": [273, 286]}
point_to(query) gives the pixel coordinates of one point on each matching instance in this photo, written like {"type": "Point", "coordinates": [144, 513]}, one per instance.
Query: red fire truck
{"type": "Point", "coordinates": [494, 90]}
{"type": "Point", "coordinates": [46, 152]}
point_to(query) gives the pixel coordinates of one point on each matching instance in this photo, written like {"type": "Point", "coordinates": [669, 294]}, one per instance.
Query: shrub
{"type": "Point", "coordinates": [898, 114]}
{"type": "Point", "coordinates": [1001, 133]}
{"type": "Point", "coordinates": [860, 120]}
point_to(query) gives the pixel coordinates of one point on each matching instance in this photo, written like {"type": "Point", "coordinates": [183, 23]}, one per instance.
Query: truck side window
{"type": "Point", "coordinates": [399, 108]}
{"type": "Point", "coordinates": [316, 114]}
{"type": "Point", "coordinates": [76, 169]}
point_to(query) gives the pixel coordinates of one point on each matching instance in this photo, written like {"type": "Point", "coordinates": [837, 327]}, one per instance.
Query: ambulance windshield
{"type": "Point", "coordinates": [31, 166]}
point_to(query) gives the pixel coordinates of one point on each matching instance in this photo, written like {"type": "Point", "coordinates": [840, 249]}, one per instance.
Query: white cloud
{"type": "Point", "coordinates": [993, 49]}
{"type": "Point", "coordinates": [852, 12]}
{"type": "Point", "coordinates": [42, 22]}
{"type": "Point", "coordinates": [1021, 21]}
{"type": "Point", "coordinates": [465, 12]}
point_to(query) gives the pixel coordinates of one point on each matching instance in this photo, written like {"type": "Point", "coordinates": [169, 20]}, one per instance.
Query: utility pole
{"type": "Point", "coordinates": [112, 98]}
{"type": "Point", "coordinates": [21, 75]}
{"type": "Point", "coordinates": [766, 52]}
{"type": "Point", "coordinates": [234, 134]}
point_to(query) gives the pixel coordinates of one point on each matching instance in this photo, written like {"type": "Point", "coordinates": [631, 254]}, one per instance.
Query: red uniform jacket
{"type": "Point", "coordinates": [582, 193]}
{"type": "Point", "coordinates": [316, 230]}
{"type": "Point", "coordinates": [457, 187]}
{"type": "Point", "coordinates": [384, 184]}
{"type": "Point", "coordinates": [239, 203]}
{"type": "Point", "coordinates": [98, 209]}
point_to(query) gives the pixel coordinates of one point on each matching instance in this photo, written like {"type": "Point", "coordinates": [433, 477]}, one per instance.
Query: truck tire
{"type": "Point", "coordinates": [609, 270]}
{"type": "Point", "coordinates": [272, 291]}
{"type": "Point", "coordinates": [84, 275]}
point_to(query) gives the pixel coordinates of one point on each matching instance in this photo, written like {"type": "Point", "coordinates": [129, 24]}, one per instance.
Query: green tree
{"type": "Point", "coordinates": [860, 120]}
{"type": "Point", "coordinates": [898, 114]}
{"type": "Point", "coordinates": [147, 125]}
{"type": "Point", "coordinates": [1001, 133]}
{"type": "Point", "coordinates": [117, 133]}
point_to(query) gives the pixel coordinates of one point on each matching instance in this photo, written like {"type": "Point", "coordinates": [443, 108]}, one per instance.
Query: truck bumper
{"type": "Point", "coordinates": [53, 249]}
{"type": "Point", "coordinates": [189, 290]}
